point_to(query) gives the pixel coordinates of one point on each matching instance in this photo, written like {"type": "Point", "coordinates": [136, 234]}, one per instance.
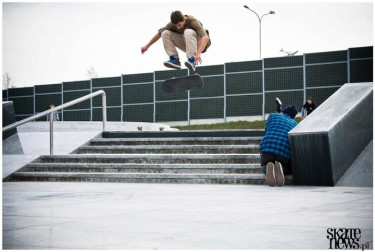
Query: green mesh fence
{"type": "Point", "coordinates": [236, 87]}
{"type": "Point", "coordinates": [106, 82]}
{"type": "Point", "coordinates": [139, 113]}
{"type": "Point", "coordinates": [27, 91]}
{"type": "Point", "coordinates": [244, 105]}
{"type": "Point", "coordinates": [326, 75]}
{"type": "Point", "coordinates": [361, 70]}
{"type": "Point", "coordinates": [243, 66]}
{"type": "Point", "coordinates": [282, 62]}
{"type": "Point", "coordinates": [46, 89]}
{"type": "Point", "coordinates": [283, 79]}
{"type": "Point", "coordinates": [76, 85]}
{"type": "Point", "coordinates": [326, 57]}
{"type": "Point", "coordinates": [244, 83]}
{"type": "Point", "coordinates": [141, 93]}
{"type": "Point", "coordinates": [210, 70]}
{"type": "Point", "coordinates": [207, 108]}
{"type": "Point", "coordinates": [77, 115]}
{"type": "Point", "coordinates": [361, 52]}
{"type": "Point", "coordinates": [137, 78]}
{"type": "Point", "coordinates": [171, 111]}
{"type": "Point", "coordinates": [113, 114]}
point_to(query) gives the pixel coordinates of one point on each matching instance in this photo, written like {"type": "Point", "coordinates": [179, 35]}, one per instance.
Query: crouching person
{"type": "Point", "coordinates": [275, 148]}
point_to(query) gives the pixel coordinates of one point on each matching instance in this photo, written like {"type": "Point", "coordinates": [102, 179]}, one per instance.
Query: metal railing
{"type": "Point", "coordinates": [65, 105]}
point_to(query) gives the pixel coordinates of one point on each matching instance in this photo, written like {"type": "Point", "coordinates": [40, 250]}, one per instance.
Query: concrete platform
{"type": "Point", "coordinates": [164, 216]}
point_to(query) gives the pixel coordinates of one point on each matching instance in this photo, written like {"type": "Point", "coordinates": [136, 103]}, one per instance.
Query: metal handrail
{"type": "Point", "coordinates": [65, 105]}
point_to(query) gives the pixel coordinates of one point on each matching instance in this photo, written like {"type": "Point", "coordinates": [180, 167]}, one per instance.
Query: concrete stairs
{"type": "Point", "coordinates": [227, 157]}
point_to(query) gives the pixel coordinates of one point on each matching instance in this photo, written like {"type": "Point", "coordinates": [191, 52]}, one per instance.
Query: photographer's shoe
{"type": "Point", "coordinates": [270, 174]}
{"type": "Point", "coordinates": [279, 174]}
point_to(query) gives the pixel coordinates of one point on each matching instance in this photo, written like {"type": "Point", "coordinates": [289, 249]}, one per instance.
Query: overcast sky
{"type": "Point", "coordinates": [45, 43]}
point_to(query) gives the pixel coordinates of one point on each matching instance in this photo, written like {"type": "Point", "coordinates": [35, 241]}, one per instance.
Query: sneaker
{"type": "Point", "coordinates": [279, 174]}
{"type": "Point", "coordinates": [270, 174]}
{"type": "Point", "coordinates": [190, 64]}
{"type": "Point", "coordinates": [173, 63]}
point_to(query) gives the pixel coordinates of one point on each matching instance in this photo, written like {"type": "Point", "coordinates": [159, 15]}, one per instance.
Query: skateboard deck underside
{"type": "Point", "coordinates": [182, 83]}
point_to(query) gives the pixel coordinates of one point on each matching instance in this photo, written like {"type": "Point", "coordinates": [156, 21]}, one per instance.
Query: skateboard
{"type": "Point", "coordinates": [182, 83]}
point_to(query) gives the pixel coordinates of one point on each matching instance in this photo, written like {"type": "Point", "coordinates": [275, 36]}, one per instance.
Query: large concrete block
{"type": "Point", "coordinates": [328, 141]}
{"type": "Point", "coordinates": [8, 118]}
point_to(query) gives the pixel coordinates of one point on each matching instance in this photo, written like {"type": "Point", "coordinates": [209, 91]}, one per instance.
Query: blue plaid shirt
{"type": "Point", "coordinates": [275, 139]}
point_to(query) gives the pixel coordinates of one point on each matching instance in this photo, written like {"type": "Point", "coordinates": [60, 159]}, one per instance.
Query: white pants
{"type": "Point", "coordinates": [187, 42]}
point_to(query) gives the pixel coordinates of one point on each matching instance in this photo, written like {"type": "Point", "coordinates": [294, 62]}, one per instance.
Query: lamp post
{"type": "Point", "coordinates": [260, 28]}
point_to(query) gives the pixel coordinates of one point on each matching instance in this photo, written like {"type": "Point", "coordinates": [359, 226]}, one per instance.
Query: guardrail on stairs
{"type": "Point", "coordinates": [62, 106]}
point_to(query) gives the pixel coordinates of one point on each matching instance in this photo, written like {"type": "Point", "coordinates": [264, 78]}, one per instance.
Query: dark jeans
{"type": "Point", "coordinates": [265, 158]}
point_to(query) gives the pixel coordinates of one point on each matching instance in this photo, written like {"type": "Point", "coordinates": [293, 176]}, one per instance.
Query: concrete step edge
{"type": "Point", "coordinates": [150, 156]}
{"type": "Point", "coordinates": [176, 139]}
{"type": "Point", "coordinates": [137, 165]}
{"type": "Point", "coordinates": [142, 175]}
{"type": "Point", "coordinates": [168, 147]}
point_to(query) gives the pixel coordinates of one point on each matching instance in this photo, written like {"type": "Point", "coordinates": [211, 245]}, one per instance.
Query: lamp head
{"type": "Point", "coordinates": [247, 7]}
{"type": "Point", "coordinates": [272, 12]}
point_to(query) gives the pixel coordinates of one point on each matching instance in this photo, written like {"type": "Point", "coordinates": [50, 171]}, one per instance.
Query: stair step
{"type": "Point", "coordinates": [184, 134]}
{"type": "Point", "coordinates": [171, 149]}
{"type": "Point", "coordinates": [143, 168]}
{"type": "Point", "coordinates": [154, 158]}
{"type": "Point", "coordinates": [145, 178]}
{"type": "Point", "coordinates": [195, 157]}
{"type": "Point", "coordinates": [174, 141]}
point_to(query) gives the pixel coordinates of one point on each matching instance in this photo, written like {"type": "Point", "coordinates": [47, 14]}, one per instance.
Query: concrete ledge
{"type": "Point", "coordinates": [8, 118]}
{"type": "Point", "coordinates": [327, 142]}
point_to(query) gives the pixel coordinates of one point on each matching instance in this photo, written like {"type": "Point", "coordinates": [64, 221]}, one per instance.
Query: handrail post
{"type": "Point", "coordinates": [104, 104]}
{"type": "Point", "coordinates": [51, 133]}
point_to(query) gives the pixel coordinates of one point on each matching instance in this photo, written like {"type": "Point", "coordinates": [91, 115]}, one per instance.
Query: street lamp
{"type": "Point", "coordinates": [260, 27]}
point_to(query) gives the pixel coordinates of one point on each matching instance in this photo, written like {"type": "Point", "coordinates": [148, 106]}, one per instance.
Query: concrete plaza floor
{"type": "Point", "coordinates": [168, 216]}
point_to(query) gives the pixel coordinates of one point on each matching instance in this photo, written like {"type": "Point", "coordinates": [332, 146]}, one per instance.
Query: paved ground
{"type": "Point", "coordinates": [166, 216]}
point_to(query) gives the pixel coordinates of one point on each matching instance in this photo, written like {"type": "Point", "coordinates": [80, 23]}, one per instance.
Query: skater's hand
{"type": "Point", "coordinates": [198, 59]}
{"type": "Point", "coordinates": [144, 49]}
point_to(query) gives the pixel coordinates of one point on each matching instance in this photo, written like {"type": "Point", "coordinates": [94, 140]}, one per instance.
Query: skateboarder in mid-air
{"type": "Point", "coordinates": [186, 33]}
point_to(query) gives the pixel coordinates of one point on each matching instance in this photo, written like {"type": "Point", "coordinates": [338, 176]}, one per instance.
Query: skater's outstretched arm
{"type": "Point", "coordinates": [200, 49]}
{"type": "Point", "coordinates": [152, 41]}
